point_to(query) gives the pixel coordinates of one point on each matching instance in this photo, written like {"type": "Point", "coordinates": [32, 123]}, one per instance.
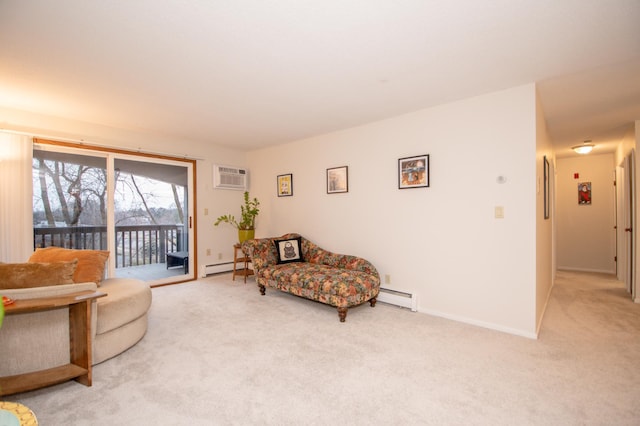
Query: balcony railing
{"type": "Point", "coordinates": [135, 245]}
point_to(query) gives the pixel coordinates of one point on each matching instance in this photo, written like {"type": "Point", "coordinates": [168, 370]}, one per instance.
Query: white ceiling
{"type": "Point", "coordinates": [250, 73]}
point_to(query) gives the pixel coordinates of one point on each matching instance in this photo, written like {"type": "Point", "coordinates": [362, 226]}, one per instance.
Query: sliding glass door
{"type": "Point", "coordinates": [152, 213]}
{"type": "Point", "coordinates": [139, 208]}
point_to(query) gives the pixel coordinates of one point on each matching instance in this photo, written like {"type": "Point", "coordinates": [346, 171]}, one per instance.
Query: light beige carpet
{"type": "Point", "coordinates": [218, 353]}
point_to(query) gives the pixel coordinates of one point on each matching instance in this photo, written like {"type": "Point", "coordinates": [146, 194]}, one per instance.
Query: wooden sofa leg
{"type": "Point", "coordinates": [342, 313]}
{"type": "Point", "coordinates": [373, 302]}
{"type": "Point", "coordinates": [262, 289]}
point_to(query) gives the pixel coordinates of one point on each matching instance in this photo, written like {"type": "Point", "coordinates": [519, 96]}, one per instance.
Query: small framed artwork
{"type": "Point", "coordinates": [413, 172]}
{"type": "Point", "coordinates": [337, 180]}
{"type": "Point", "coordinates": [547, 188]}
{"type": "Point", "coordinates": [285, 185]}
{"type": "Point", "coordinates": [584, 193]}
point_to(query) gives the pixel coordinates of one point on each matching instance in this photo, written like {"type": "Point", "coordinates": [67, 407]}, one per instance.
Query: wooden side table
{"type": "Point", "coordinates": [80, 342]}
{"type": "Point", "coordinates": [243, 258]}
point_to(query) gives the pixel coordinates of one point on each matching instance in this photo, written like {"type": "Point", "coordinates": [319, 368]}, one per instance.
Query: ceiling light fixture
{"type": "Point", "coordinates": [585, 148]}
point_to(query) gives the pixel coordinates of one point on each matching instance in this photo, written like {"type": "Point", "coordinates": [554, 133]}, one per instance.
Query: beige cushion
{"type": "Point", "coordinates": [128, 299]}
{"type": "Point", "coordinates": [116, 341]}
{"type": "Point", "coordinates": [48, 291]}
{"type": "Point", "coordinates": [27, 275]}
{"type": "Point", "coordinates": [91, 263]}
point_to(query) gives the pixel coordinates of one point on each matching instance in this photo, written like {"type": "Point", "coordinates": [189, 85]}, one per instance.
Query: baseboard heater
{"type": "Point", "coordinates": [398, 298]}
{"type": "Point", "coordinates": [215, 269]}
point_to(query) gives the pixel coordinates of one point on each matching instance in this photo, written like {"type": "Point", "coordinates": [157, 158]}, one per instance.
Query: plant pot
{"type": "Point", "coordinates": [246, 234]}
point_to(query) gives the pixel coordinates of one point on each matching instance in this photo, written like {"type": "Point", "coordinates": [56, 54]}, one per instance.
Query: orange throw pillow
{"type": "Point", "coordinates": [91, 263]}
{"type": "Point", "coordinates": [28, 275]}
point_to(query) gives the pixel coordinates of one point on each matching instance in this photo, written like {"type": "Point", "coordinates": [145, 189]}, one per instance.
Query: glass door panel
{"type": "Point", "coordinates": [69, 200]}
{"type": "Point", "coordinates": [151, 218]}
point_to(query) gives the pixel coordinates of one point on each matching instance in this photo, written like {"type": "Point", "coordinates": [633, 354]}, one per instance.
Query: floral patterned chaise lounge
{"type": "Point", "coordinates": [295, 265]}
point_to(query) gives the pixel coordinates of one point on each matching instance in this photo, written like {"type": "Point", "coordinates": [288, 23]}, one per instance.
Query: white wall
{"type": "Point", "coordinates": [545, 244]}
{"type": "Point", "coordinates": [585, 233]}
{"type": "Point", "coordinates": [442, 242]}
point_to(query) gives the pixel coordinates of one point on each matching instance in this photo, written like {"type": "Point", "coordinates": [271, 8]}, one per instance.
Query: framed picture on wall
{"type": "Point", "coordinates": [285, 185]}
{"type": "Point", "coordinates": [584, 193]}
{"type": "Point", "coordinates": [337, 180]}
{"type": "Point", "coordinates": [547, 187]}
{"type": "Point", "coordinates": [413, 172]}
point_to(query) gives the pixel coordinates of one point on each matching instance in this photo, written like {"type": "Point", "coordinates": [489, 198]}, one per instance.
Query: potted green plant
{"type": "Point", "coordinates": [247, 225]}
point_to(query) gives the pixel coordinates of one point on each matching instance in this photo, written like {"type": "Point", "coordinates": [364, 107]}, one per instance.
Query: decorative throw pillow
{"type": "Point", "coordinates": [91, 263]}
{"type": "Point", "coordinates": [289, 250]}
{"type": "Point", "coordinates": [27, 275]}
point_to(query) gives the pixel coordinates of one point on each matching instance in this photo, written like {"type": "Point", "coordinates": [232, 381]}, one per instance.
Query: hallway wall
{"type": "Point", "coordinates": [586, 238]}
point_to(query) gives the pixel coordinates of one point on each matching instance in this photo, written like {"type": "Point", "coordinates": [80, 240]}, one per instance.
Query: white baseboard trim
{"type": "Point", "coordinates": [544, 308]}
{"type": "Point", "coordinates": [215, 269]}
{"type": "Point", "coordinates": [490, 326]}
{"type": "Point", "coordinates": [598, 271]}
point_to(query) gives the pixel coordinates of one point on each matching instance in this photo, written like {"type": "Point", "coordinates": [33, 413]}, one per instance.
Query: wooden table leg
{"type": "Point", "coordinates": [80, 339]}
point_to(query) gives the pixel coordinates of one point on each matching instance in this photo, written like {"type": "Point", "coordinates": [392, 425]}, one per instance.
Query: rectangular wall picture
{"type": "Point", "coordinates": [285, 185]}
{"type": "Point", "coordinates": [584, 193]}
{"type": "Point", "coordinates": [337, 180]}
{"type": "Point", "coordinates": [413, 172]}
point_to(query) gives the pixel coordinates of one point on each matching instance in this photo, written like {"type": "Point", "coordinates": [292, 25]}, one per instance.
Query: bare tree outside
{"type": "Point", "coordinates": [69, 194]}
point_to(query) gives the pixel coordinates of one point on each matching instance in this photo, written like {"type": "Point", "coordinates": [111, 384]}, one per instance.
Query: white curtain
{"type": "Point", "coordinates": [16, 205]}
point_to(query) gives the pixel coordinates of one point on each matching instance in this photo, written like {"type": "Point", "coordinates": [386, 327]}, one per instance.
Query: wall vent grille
{"type": "Point", "coordinates": [229, 177]}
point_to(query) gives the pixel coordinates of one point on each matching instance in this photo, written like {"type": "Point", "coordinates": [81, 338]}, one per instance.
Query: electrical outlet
{"type": "Point", "coordinates": [208, 252]}
{"type": "Point", "coordinates": [206, 212]}
{"type": "Point", "coordinates": [387, 279]}
{"type": "Point", "coordinates": [219, 256]}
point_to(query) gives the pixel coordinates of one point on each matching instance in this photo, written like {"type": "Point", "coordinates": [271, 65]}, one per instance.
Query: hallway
{"type": "Point", "coordinates": [592, 323]}
{"type": "Point", "coordinates": [592, 305]}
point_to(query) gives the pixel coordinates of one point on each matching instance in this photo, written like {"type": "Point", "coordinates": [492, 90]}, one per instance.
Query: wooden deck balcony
{"type": "Point", "coordinates": [140, 250]}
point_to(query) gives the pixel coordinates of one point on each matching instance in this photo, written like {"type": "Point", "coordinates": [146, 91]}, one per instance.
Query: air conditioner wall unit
{"type": "Point", "coordinates": [230, 177]}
